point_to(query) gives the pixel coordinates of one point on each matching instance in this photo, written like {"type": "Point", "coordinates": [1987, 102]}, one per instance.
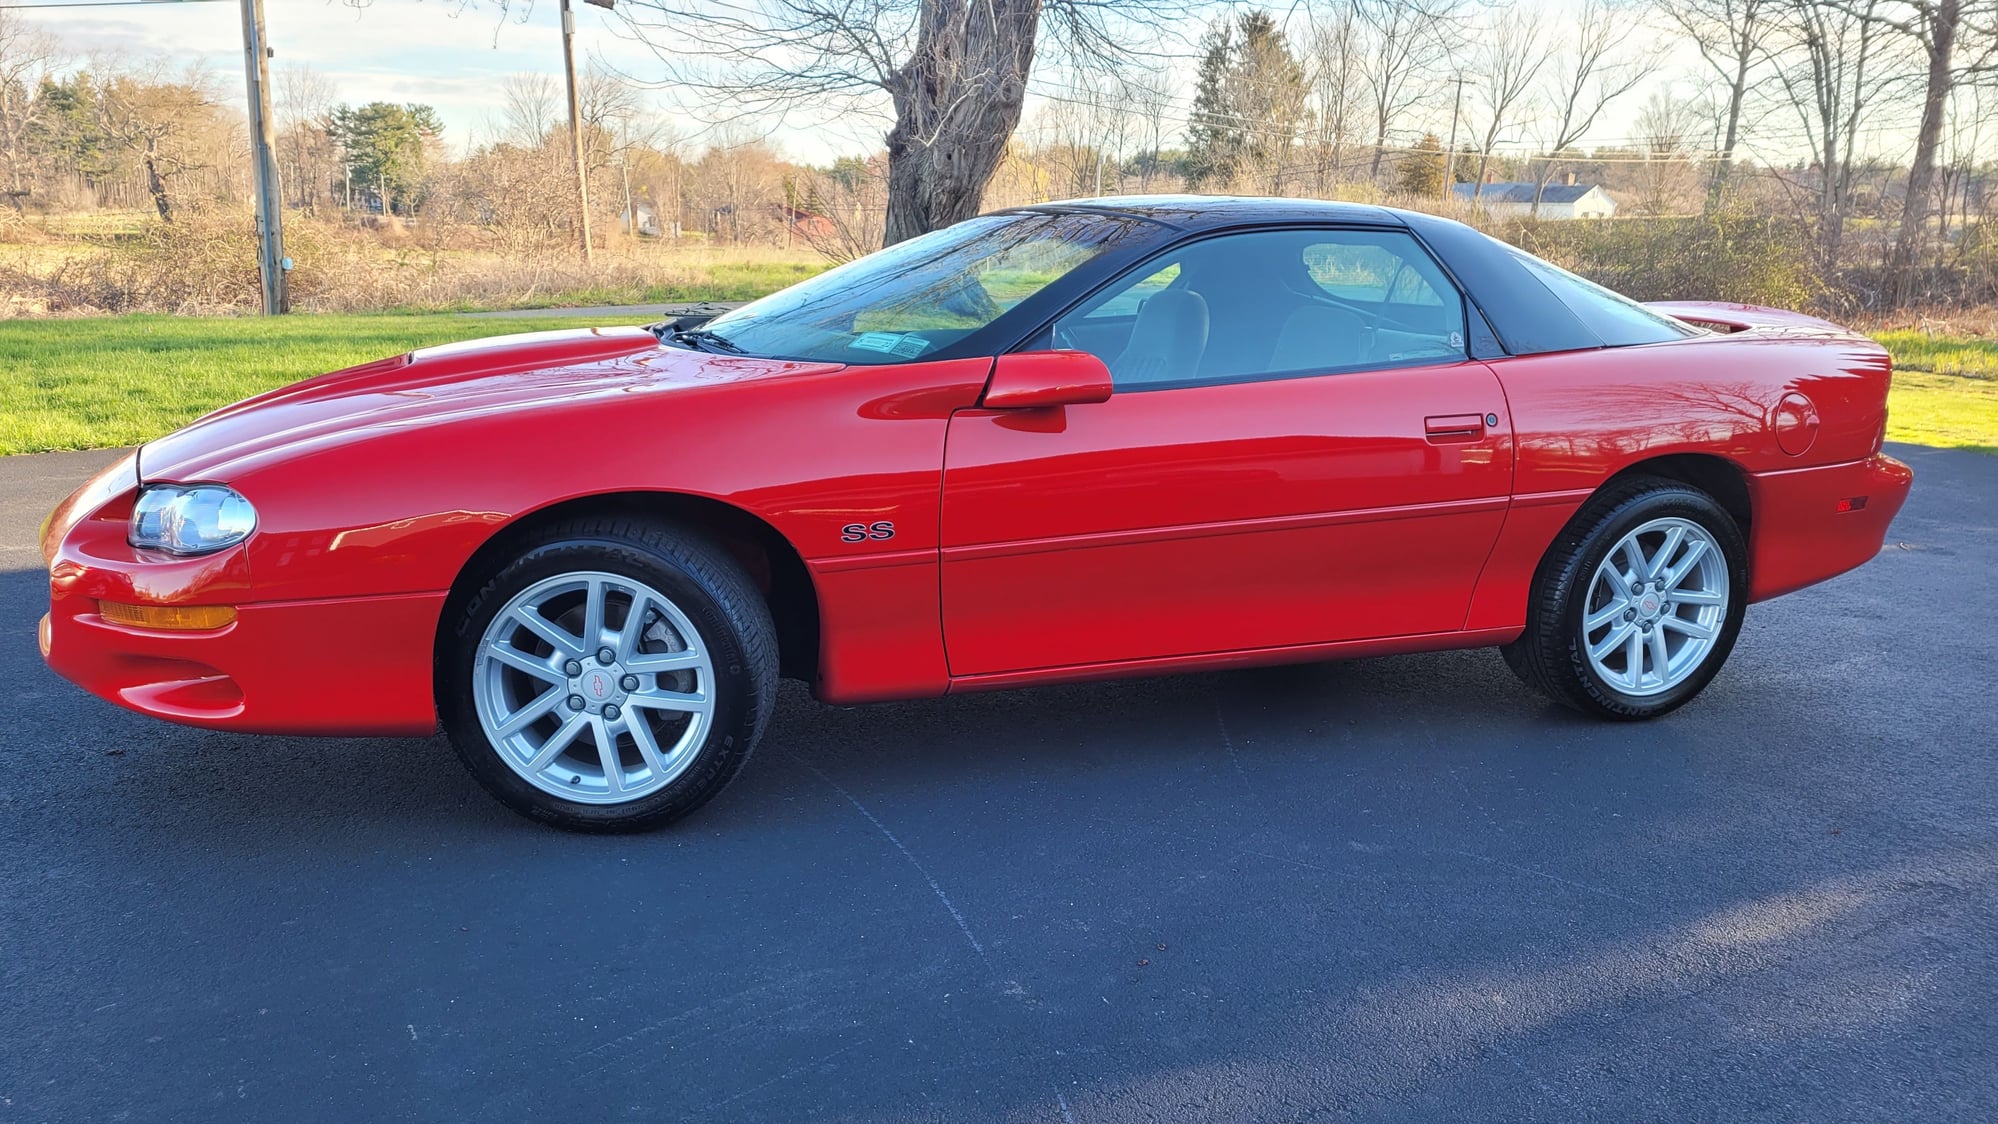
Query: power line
{"type": "Point", "coordinates": [109, 4]}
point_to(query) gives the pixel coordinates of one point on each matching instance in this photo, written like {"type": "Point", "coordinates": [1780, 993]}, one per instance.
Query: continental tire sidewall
{"type": "Point", "coordinates": [710, 590]}
{"type": "Point", "coordinates": [1573, 589]}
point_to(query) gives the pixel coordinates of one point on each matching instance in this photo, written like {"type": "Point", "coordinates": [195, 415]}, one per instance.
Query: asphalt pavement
{"type": "Point", "coordinates": [1397, 889]}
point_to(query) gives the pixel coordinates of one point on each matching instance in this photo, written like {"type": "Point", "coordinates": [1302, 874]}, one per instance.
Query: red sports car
{"type": "Point", "coordinates": [1101, 438]}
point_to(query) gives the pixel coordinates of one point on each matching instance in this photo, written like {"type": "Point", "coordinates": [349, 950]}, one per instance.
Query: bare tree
{"type": "Point", "coordinates": [306, 152]}
{"type": "Point", "coordinates": [1085, 133]}
{"type": "Point", "coordinates": [157, 117]}
{"type": "Point", "coordinates": [530, 107]}
{"type": "Point", "coordinates": [1333, 53]}
{"type": "Point", "coordinates": [849, 200]}
{"type": "Point", "coordinates": [612, 108]}
{"type": "Point", "coordinates": [1938, 30]}
{"type": "Point", "coordinates": [1664, 127]}
{"type": "Point", "coordinates": [1836, 65]}
{"type": "Point", "coordinates": [1956, 167]}
{"type": "Point", "coordinates": [1407, 45]}
{"type": "Point", "coordinates": [1732, 38]}
{"type": "Point", "coordinates": [1597, 66]}
{"type": "Point", "coordinates": [1150, 99]}
{"type": "Point", "coordinates": [1506, 65]}
{"type": "Point", "coordinates": [954, 72]}
{"type": "Point", "coordinates": [27, 54]}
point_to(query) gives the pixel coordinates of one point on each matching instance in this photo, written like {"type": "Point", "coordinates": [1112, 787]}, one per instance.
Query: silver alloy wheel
{"type": "Point", "coordinates": [1655, 606]}
{"type": "Point", "coordinates": [594, 687]}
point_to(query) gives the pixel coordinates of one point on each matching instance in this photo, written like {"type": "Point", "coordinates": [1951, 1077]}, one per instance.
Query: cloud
{"type": "Point", "coordinates": [449, 56]}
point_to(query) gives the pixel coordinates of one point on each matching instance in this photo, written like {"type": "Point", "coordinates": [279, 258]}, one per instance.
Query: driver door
{"type": "Point", "coordinates": [1290, 457]}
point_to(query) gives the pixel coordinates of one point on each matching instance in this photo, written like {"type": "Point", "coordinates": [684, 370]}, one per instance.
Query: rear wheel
{"type": "Point", "coordinates": [613, 677]}
{"type": "Point", "coordinates": [1637, 604]}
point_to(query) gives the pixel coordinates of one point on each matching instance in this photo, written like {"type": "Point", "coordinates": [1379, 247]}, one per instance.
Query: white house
{"type": "Point", "coordinates": [646, 222]}
{"type": "Point", "coordinates": [1557, 200]}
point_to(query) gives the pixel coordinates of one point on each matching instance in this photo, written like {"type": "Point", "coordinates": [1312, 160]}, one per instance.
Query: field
{"type": "Point", "coordinates": [116, 262]}
{"type": "Point", "coordinates": [1945, 391]}
{"type": "Point", "coordinates": [119, 380]}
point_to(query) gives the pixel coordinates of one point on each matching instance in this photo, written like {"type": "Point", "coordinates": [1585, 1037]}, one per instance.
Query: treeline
{"type": "Point", "coordinates": [1865, 129]}
{"type": "Point", "coordinates": [1855, 136]}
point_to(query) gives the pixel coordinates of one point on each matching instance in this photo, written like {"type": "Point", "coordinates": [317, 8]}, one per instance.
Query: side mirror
{"type": "Point", "coordinates": [1028, 380]}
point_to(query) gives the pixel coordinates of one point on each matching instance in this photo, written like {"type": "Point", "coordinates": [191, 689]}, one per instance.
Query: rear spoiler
{"type": "Point", "coordinates": [1726, 318]}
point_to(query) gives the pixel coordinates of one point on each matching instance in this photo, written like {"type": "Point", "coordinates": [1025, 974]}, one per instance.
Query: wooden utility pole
{"type": "Point", "coordinates": [1450, 154]}
{"type": "Point", "coordinates": [271, 262]}
{"type": "Point", "coordinates": [576, 128]}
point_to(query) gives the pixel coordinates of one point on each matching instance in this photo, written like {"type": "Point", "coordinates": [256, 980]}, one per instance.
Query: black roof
{"type": "Point", "coordinates": [1201, 212]}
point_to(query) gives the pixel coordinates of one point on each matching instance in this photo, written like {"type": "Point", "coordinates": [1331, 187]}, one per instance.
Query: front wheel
{"type": "Point", "coordinates": [1637, 604]}
{"type": "Point", "coordinates": [613, 677]}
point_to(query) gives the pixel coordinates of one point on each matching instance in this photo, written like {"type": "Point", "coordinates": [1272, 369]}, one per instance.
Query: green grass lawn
{"type": "Point", "coordinates": [99, 382]}
{"type": "Point", "coordinates": [120, 380]}
{"type": "Point", "coordinates": [1945, 391]}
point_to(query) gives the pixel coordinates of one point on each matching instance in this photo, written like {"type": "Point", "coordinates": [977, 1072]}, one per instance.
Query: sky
{"type": "Point", "coordinates": [454, 55]}
{"type": "Point", "coordinates": [444, 53]}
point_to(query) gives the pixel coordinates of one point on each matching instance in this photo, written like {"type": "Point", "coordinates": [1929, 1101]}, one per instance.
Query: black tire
{"type": "Point", "coordinates": [704, 583]}
{"type": "Point", "coordinates": [1550, 656]}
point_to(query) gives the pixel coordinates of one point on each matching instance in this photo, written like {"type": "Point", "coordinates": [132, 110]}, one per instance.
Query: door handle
{"type": "Point", "coordinates": [1440, 428]}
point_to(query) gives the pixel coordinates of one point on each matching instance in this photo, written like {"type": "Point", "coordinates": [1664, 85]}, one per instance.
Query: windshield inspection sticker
{"type": "Point", "coordinates": [891, 343]}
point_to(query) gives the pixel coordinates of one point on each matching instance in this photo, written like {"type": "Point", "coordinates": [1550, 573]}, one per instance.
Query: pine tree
{"type": "Point", "coordinates": [1421, 172]}
{"type": "Point", "coordinates": [1267, 91]}
{"type": "Point", "coordinates": [1211, 132]}
{"type": "Point", "coordinates": [1248, 105]}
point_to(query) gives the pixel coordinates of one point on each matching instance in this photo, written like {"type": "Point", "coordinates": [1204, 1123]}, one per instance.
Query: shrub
{"type": "Point", "coordinates": [1725, 258]}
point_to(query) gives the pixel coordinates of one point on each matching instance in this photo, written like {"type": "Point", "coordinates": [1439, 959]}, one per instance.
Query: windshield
{"type": "Point", "coordinates": [917, 297]}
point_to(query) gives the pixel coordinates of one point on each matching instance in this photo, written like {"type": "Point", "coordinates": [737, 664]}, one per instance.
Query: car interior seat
{"type": "Point", "coordinates": [1167, 339]}
{"type": "Point", "coordinates": [1316, 336]}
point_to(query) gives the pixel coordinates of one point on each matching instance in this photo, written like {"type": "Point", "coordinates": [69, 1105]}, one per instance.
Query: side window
{"type": "Point", "coordinates": [1127, 301]}
{"type": "Point", "coordinates": [1271, 304]}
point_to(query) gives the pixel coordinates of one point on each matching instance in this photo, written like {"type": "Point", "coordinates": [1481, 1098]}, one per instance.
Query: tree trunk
{"type": "Point", "coordinates": [1736, 94]}
{"type": "Point", "coordinates": [957, 101]}
{"type": "Point", "coordinates": [156, 184]}
{"type": "Point", "coordinates": [1540, 188]}
{"type": "Point", "coordinates": [1922, 172]}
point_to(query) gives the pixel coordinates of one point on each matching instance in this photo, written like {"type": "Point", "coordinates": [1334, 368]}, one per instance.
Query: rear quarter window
{"type": "Point", "coordinates": [1372, 273]}
{"type": "Point", "coordinates": [1615, 318]}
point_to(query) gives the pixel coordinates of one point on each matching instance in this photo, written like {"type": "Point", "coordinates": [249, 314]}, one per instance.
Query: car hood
{"type": "Point", "coordinates": [434, 385]}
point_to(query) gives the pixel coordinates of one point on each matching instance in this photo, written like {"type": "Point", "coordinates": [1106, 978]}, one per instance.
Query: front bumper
{"type": "Point", "coordinates": [349, 666]}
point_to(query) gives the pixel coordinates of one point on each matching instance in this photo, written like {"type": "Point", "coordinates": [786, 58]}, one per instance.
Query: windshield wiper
{"type": "Point", "coordinates": [697, 337]}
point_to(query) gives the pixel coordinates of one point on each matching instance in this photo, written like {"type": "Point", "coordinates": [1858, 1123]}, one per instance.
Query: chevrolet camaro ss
{"type": "Point", "coordinates": [1089, 439]}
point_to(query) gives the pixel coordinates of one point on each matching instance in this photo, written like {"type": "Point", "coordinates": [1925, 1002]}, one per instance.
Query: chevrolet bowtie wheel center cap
{"type": "Point", "coordinates": [603, 687]}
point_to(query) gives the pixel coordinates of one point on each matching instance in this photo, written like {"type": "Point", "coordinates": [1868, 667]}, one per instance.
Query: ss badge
{"type": "Point", "coordinates": [859, 532]}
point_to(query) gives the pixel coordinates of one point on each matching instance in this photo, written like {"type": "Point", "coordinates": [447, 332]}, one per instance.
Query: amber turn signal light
{"type": "Point", "coordinates": [176, 618]}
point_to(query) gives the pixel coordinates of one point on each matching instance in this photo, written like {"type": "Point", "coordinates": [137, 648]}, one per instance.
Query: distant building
{"type": "Point", "coordinates": [640, 220]}
{"type": "Point", "coordinates": [1557, 200]}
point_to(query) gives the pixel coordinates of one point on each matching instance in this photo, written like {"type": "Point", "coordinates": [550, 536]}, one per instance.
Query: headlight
{"type": "Point", "coordinates": [190, 518]}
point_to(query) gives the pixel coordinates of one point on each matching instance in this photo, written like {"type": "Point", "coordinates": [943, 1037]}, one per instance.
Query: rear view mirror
{"type": "Point", "coordinates": [1028, 380]}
